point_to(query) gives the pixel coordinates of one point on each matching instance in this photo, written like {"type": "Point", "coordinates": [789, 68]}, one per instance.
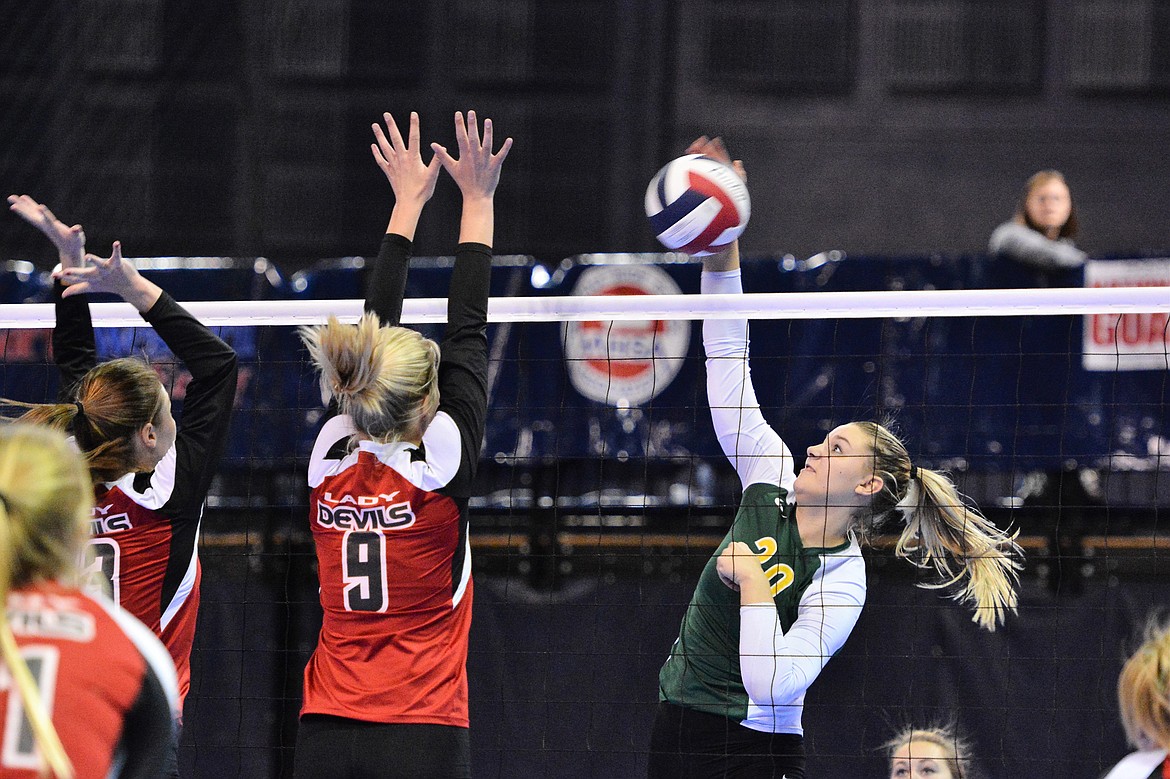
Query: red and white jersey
{"type": "Point", "coordinates": [148, 561]}
{"type": "Point", "coordinates": [390, 526]}
{"type": "Point", "coordinates": [395, 571]}
{"type": "Point", "coordinates": [145, 528]}
{"type": "Point", "coordinates": [107, 682]}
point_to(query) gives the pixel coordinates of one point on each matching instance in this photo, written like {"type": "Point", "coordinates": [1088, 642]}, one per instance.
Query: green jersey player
{"type": "Point", "coordinates": [785, 587]}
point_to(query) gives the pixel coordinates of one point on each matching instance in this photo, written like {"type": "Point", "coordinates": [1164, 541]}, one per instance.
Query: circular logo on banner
{"type": "Point", "coordinates": [624, 363]}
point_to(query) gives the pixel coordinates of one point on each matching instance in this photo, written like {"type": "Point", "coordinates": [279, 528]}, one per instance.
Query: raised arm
{"type": "Point", "coordinates": [463, 369]}
{"type": "Point", "coordinates": [477, 172]}
{"type": "Point", "coordinates": [207, 405]}
{"type": "Point", "coordinates": [70, 241]}
{"type": "Point", "coordinates": [755, 450]}
{"type": "Point", "coordinates": [73, 340]}
{"type": "Point", "coordinates": [413, 184]}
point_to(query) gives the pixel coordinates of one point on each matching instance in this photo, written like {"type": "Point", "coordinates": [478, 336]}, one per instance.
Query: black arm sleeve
{"type": "Point", "coordinates": [207, 407]}
{"type": "Point", "coordinates": [148, 731]}
{"type": "Point", "coordinates": [463, 368]}
{"type": "Point", "coordinates": [73, 343]}
{"type": "Point", "coordinates": [387, 284]}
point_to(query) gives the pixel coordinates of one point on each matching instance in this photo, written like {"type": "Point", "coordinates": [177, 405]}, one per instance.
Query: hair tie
{"type": "Point", "coordinates": [913, 472]}
{"type": "Point", "coordinates": [80, 426]}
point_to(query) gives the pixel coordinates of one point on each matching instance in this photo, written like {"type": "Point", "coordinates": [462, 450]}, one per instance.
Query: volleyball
{"type": "Point", "coordinates": [697, 205]}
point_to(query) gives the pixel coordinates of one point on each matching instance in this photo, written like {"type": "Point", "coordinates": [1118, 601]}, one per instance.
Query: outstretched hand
{"type": "Point", "coordinates": [716, 150]}
{"type": "Point", "coordinates": [401, 162]}
{"type": "Point", "coordinates": [477, 170]}
{"type": "Point", "coordinates": [728, 259]}
{"type": "Point", "coordinates": [70, 241]}
{"type": "Point", "coordinates": [112, 274]}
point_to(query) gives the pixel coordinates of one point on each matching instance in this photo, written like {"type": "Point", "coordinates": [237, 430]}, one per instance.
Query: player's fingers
{"type": "Point", "coordinates": [487, 135]}
{"type": "Point", "coordinates": [378, 158]}
{"type": "Point", "coordinates": [413, 131]}
{"type": "Point", "coordinates": [443, 156]}
{"type": "Point", "coordinates": [460, 134]}
{"type": "Point", "coordinates": [383, 143]}
{"type": "Point", "coordinates": [502, 154]}
{"type": "Point", "coordinates": [717, 150]}
{"type": "Point", "coordinates": [395, 135]}
{"type": "Point", "coordinates": [78, 288]}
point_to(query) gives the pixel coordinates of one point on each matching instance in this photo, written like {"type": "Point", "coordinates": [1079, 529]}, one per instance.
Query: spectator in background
{"type": "Point", "coordinates": [1039, 236]}
{"type": "Point", "coordinates": [1145, 708]}
{"type": "Point", "coordinates": [929, 753]}
{"type": "Point", "coordinates": [1041, 232]}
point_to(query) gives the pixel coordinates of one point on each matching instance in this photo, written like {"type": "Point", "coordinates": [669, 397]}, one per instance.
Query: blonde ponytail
{"type": "Point", "coordinates": [949, 535]}
{"type": "Point", "coordinates": [45, 500]}
{"type": "Point", "coordinates": [1142, 693]}
{"type": "Point", "coordinates": [944, 532]}
{"type": "Point", "coordinates": [51, 749]}
{"type": "Point", "coordinates": [382, 377]}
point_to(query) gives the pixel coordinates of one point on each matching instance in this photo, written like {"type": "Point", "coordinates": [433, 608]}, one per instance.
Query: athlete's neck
{"type": "Point", "coordinates": [822, 526]}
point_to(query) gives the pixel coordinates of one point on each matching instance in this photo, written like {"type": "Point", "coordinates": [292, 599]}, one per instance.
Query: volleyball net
{"type": "Point", "coordinates": [602, 493]}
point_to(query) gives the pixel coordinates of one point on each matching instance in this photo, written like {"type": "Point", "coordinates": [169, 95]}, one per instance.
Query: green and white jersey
{"type": "Point", "coordinates": [753, 664]}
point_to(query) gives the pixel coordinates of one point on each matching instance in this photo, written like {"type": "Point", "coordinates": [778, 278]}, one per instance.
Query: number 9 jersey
{"type": "Point", "coordinates": [389, 521]}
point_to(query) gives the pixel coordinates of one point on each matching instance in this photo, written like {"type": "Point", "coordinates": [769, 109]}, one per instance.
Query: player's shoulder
{"type": "Point", "coordinates": [153, 652]}
{"type": "Point", "coordinates": [331, 447]}
{"type": "Point", "coordinates": [766, 495]}
{"type": "Point", "coordinates": [1144, 764]}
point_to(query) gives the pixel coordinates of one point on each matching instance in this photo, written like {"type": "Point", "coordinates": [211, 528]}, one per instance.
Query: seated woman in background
{"type": "Point", "coordinates": [1145, 708]}
{"type": "Point", "coordinates": [929, 753]}
{"type": "Point", "coordinates": [1041, 232]}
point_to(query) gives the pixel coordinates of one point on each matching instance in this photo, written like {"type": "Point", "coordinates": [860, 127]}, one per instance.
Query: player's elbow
{"type": "Point", "coordinates": [780, 686]}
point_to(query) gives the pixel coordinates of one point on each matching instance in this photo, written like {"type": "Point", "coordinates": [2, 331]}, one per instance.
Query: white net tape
{"type": "Point", "coordinates": [791, 305]}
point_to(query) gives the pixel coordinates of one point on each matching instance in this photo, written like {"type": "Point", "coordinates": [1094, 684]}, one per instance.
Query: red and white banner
{"type": "Point", "coordinates": [625, 364]}
{"type": "Point", "coordinates": [1127, 342]}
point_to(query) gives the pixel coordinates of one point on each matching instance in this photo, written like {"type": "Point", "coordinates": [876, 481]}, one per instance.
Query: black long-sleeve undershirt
{"type": "Point", "coordinates": [463, 365]}
{"type": "Point", "coordinates": [210, 396]}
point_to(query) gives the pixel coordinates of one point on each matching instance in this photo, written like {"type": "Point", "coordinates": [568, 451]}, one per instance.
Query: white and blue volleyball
{"type": "Point", "coordinates": [697, 205]}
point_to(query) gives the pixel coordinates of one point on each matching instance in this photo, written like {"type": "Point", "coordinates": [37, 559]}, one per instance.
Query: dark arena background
{"type": "Point", "coordinates": [227, 146]}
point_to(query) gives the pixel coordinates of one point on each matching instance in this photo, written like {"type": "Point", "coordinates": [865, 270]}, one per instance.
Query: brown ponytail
{"type": "Point", "coordinates": [114, 400]}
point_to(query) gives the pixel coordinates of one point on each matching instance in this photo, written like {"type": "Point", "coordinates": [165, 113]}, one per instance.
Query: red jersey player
{"type": "Point", "coordinates": [118, 722]}
{"type": "Point", "coordinates": [151, 474]}
{"type": "Point", "coordinates": [386, 688]}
